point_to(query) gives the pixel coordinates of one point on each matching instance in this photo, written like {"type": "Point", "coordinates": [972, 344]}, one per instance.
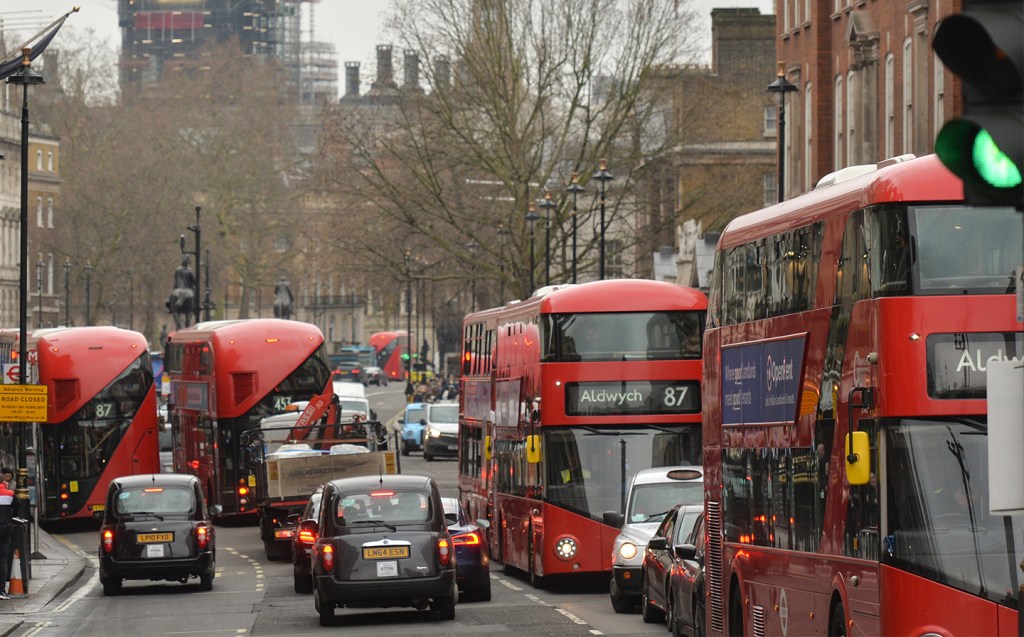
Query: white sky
{"type": "Point", "coordinates": [354, 26]}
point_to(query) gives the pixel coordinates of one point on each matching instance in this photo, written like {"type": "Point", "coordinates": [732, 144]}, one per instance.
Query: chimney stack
{"type": "Point", "coordinates": [385, 72]}
{"type": "Point", "coordinates": [411, 67]}
{"type": "Point", "coordinates": [352, 79]}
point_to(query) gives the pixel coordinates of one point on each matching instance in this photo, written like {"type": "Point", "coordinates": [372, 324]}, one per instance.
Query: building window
{"type": "Point", "coordinates": [837, 126]}
{"type": "Point", "coordinates": [49, 212]}
{"type": "Point", "coordinates": [908, 96]}
{"type": "Point", "coordinates": [771, 189]}
{"type": "Point", "coordinates": [940, 87]}
{"type": "Point", "coordinates": [808, 139]}
{"type": "Point", "coordinates": [49, 161]}
{"type": "Point", "coordinates": [39, 212]}
{"type": "Point", "coordinates": [851, 120]}
{"type": "Point", "coordinates": [39, 160]}
{"type": "Point", "coordinates": [890, 107]}
{"type": "Point", "coordinates": [49, 273]}
{"type": "Point", "coordinates": [771, 121]}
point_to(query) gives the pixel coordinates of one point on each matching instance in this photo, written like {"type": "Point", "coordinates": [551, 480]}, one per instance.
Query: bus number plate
{"type": "Point", "coordinates": [149, 538]}
{"type": "Point", "coordinates": [385, 552]}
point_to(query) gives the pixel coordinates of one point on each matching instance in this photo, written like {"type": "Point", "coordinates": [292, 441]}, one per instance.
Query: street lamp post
{"type": "Point", "coordinates": [575, 188]}
{"type": "Point", "coordinates": [408, 320]}
{"type": "Point", "coordinates": [547, 204]}
{"type": "Point", "coordinates": [67, 292]}
{"type": "Point", "coordinates": [88, 291]}
{"type": "Point", "coordinates": [780, 87]}
{"type": "Point", "coordinates": [39, 290]}
{"type": "Point", "coordinates": [471, 247]}
{"type": "Point", "coordinates": [602, 175]}
{"type": "Point", "coordinates": [531, 218]}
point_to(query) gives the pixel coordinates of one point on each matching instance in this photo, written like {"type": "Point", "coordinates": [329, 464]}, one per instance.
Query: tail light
{"type": "Point", "coordinates": [444, 552]}
{"type": "Point", "coordinates": [202, 537]}
{"type": "Point", "coordinates": [468, 539]}
{"type": "Point", "coordinates": [327, 556]}
{"type": "Point", "coordinates": [107, 538]}
{"type": "Point", "coordinates": [307, 536]}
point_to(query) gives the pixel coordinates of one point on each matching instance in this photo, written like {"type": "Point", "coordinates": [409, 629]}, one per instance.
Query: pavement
{"type": "Point", "coordinates": [56, 568]}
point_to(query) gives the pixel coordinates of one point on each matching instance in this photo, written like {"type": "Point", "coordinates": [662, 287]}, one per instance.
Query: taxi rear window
{"type": "Point", "coordinates": [154, 499]}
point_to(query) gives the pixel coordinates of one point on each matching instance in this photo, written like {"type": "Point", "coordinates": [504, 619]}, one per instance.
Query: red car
{"type": "Point", "coordinates": [303, 540]}
{"type": "Point", "coordinates": [660, 560]}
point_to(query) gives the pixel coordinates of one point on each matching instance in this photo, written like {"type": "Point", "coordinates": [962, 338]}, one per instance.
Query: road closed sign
{"type": "Point", "coordinates": [22, 403]}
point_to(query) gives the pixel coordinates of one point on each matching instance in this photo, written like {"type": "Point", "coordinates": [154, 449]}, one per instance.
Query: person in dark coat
{"type": "Point", "coordinates": [7, 528]}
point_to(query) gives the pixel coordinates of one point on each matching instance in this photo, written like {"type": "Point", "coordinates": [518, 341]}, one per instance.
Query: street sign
{"type": "Point", "coordinates": [23, 403]}
{"type": "Point", "coordinates": [12, 373]}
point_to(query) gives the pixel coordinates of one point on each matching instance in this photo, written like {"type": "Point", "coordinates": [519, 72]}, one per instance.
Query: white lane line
{"type": "Point", "coordinates": [574, 619]}
{"type": "Point", "coordinates": [80, 593]}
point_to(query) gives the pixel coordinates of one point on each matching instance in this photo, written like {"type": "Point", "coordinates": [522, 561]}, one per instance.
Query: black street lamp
{"type": "Point", "coordinates": [502, 234]}
{"type": "Point", "coordinates": [88, 291]}
{"type": "Point", "coordinates": [471, 247]}
{"type": "Point", "coordinates": [575, 188]}
{"type": "Point", "coordinates": [197, 304]}
{"type": "Point", "coordinates": [531, 218]}
{"type": "Point", "coordinates": [408, 322]}
{"type": "Point", "coordinates": [602, 175]}
{"type": "Point", "coordinates": [67, 292]}
{"type": "Point", "coordinates": [547, 204]}
{"type": "Point", "coordinates": [39, 290]}
{"type": "Point", "coordinates": [780, 87]}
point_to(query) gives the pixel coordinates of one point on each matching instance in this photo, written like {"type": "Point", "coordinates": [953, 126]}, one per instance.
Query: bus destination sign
{"type": "Point", "coordinates": [761, 382]}
{"type": "Point", "coordinates": [631, 398]}
{"type": "Point", "coordinates": [958, 363]}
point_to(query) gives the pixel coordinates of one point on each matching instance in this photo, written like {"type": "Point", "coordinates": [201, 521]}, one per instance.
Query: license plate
{"type": "Point", "coordinates": [282, 534]}
{"type": "Point", "coordinates": [99, 507]}
{"type": "Point", "coordinates": [387, 569]}
{"type": "Point", "coordinates": [385, 552]}
{"type": "Point", "coordinates": [149, 538]}
{"type": "Point", "coordinates": [154, 550]}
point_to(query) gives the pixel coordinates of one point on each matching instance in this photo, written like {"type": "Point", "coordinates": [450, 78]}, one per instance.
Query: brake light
{"type": "Point", "coordinates": [308, 536]}
{"type": "Point", "coordinates": [468, 539]}
{"type": "Point", "coordinates": [327, 555]}
{"type": "Point", "coordinates": [107, 536]}
{"type": "Point", "coordinates": [444, 552]}
{"type": "Point", "coordinates": [202, 537]}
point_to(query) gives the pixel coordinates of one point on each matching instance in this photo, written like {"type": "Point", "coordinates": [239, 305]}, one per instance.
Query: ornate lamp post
{"type": "Point", "coordinates": [531, 218]}
{"type": "Point", "coordinates": [602, 175]}
{"type": "Point", "coordinates": [88, 290]}
{"type": "Point", "coordinates": [575, 188]}
{"type": "Point", "coordinates": [547, 204]}
{"type": "Point", "coordinates": [780, 87]}
{"type": "Point", "coordinates": [67, 291]}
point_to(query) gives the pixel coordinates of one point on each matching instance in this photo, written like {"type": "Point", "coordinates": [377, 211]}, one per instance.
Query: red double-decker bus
{"type": "Point", "coordinates": [226, 376]}
{"type": "Point", "coordinates": [565, 396]}
{"type": "Point", "coordinates": [846, 478]}
{"type": "Point", "coordinates": [101, 418]}
{"type": "Point", "coordinates": [390, 346]}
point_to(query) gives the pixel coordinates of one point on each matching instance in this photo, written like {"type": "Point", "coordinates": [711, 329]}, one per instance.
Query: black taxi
{"type": "Point", "coordinates": [156, 527]}
{"type": "Point", "coordinates": [383, 542]}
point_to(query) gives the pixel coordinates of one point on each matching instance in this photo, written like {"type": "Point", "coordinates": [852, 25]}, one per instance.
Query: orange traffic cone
{"type": "Point", "coordinates": [16, 587]}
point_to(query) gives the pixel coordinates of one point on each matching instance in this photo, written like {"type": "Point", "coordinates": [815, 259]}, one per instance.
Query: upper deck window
{"type": "Point", "coordinates": [623, 336]}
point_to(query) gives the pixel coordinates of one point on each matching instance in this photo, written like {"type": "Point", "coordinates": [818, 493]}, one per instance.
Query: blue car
{"type": "Point", "coordinates": [412, 427]}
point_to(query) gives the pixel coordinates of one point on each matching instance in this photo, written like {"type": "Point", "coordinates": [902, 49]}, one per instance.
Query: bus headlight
{"type": "Point", "coordinates": [566, 548]}
{"type": "Point", "coordinates": [627, 551]}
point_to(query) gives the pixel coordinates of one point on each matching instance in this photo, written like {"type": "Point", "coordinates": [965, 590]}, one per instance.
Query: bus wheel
{"type": "Point", "coordinates": [735, 613]}
{"type": "Point", "coordinates": [536, 581]}
{"type": "Point", "coordinates": [837, 625]}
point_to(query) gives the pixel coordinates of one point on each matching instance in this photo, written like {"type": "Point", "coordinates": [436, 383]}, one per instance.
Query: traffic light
{"type": "Point", "coordinates": [984, 47]}
{"type": "Point", "coordinates": [405, 356]}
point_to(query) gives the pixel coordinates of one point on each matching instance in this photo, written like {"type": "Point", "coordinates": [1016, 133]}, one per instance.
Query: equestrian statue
{"type": "Point", "coordinates": [181, 303]}
{"type": "Point", "coordinates": [283, 299]}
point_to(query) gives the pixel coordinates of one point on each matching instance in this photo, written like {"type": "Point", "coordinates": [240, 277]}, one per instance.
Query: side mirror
{"type": "Point", "coordinates": [483, 524]}
{"type": "Point", "coordinates": [533, 449]}
{"type": "Point", "coordinates": [216, 509]}
{"type": "Point", "coordinates": [658, 543]}
{"type": "Point", "coordinates": [858, 460]}
{"type": "Point", "coordinates": [686, 552]}
{"type": "Point", "coordinates": [613, 518]}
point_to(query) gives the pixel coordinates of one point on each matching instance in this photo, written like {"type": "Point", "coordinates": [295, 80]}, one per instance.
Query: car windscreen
{"type": "Point", "coordinates": [444, 414]}
{"type": "Point", "coordinates": [154, 499]}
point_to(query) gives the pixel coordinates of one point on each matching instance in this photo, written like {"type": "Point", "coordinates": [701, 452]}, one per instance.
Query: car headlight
{"type": "Point", "coordinates": [627, 551]}
{"type": "Point", "coordinates": [433, 433]}
{"type": "Point", "coordinates": [566, 548]}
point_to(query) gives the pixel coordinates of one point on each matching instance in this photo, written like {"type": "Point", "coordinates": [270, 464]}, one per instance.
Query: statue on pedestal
{"type": "Point", "coordinates": [283, 299]}
{"type": "Point", "coordinates": [182, 299]}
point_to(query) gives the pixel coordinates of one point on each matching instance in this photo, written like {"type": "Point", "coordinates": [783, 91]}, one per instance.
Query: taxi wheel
{"type": "Point", "coordinates": [111, 585]}
{"type": "Point", "coordinates": [445, 606]}
{"type": "Point", "coordinates": [619, 603]}
{"type": "Point", "coordinates": [206, 582]}
{"type": "Point", "coordinates": [325, 609]}
{"type": "Point", "coordinates": [405, 448]}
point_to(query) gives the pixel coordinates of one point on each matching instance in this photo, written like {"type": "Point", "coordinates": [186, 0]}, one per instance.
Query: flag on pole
{"type": "Point", "coordinates": [12, 62]}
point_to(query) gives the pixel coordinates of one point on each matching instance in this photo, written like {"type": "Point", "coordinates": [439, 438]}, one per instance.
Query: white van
{"type": "Point", "coordinates": [348, 389]}
{"type": "Point", "coordinates": [652, 494]}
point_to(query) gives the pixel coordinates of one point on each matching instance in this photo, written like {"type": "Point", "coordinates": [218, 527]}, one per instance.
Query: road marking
{"type": "Point", "coordinates": [80, 593]}
{"type": "Point", "coordinates": [508, 584]}
{"type": "Point", "coordinates": [39, 626]}
{"type": "Point", "coordinates": [574, 619]}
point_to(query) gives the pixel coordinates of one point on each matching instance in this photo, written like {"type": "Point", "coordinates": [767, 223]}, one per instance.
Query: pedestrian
{"type": "Point", "coordinates": [8, 474]}
{"type": "Point", "coordinates": [7, 528]}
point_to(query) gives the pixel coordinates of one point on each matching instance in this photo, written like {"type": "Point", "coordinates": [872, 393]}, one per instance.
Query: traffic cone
{"type": "Point", "coordinates": [16, 587]}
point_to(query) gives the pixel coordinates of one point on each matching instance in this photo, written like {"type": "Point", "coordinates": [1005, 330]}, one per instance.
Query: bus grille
{"type": "Point", "coordinates": [714, 563]}
{"type": "Point", "coordinates": [65, 392]}
{"type": "Point", "coordinates": [757, 617]}
{"type": "Point", "coordinates": [243, 385]}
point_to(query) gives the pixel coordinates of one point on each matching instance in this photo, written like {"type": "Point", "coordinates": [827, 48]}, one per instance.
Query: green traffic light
{"type": "Point", "coordinates": [992, 164]}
